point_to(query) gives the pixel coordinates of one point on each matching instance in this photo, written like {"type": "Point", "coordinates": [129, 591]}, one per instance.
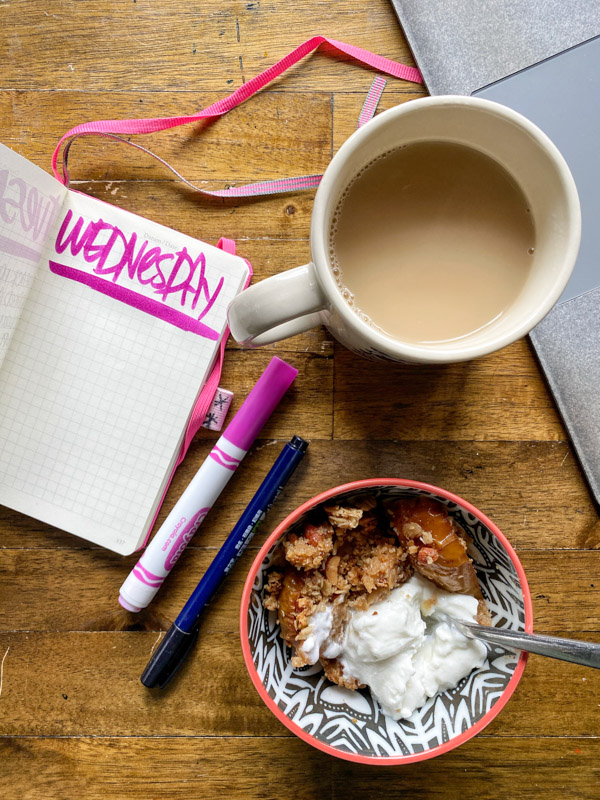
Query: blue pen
{"type": "Point", "coordinates": [182, 635]}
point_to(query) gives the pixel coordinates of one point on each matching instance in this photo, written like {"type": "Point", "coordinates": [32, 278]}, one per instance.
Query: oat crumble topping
{"type": "Point", "coordinates": [351, 556]}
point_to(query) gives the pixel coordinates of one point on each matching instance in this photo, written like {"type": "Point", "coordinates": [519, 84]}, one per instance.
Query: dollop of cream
{"type": "Point", "coordinates": [320, 627]}
{"type": "Point", "coordinates": [406, 649]}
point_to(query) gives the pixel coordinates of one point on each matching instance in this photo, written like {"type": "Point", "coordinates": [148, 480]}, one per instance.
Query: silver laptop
{"type": "Point", "coordinates": [542, 58]}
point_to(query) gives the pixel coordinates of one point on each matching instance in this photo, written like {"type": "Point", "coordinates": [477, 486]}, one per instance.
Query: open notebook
{"type": "Point", "coordinates": [109, 326]}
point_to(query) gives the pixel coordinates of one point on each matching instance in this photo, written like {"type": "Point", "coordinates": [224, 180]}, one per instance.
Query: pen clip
{"type": "Point", "coordinates": [169, 657]}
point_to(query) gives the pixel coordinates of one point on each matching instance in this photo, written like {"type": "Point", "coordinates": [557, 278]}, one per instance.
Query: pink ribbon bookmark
{"type": "Point", "coordinates": [112, 128]}
{"type": "Point", "coordinates": [371, 101]}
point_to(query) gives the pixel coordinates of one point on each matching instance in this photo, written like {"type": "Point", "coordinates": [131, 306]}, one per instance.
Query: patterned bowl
{"type": "Point", "coordinates": [350, 725]}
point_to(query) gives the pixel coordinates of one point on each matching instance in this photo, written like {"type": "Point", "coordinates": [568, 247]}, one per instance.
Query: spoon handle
{"type": "Point", "coordinates": [586, 653]}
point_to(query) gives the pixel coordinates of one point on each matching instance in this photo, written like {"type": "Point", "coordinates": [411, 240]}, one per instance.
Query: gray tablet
{"type": "Point", "coordinates": [562, 96]}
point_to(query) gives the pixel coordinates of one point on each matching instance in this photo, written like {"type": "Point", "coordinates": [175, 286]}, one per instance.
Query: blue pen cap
{"type": "Point", "coordinates": [298, 443]}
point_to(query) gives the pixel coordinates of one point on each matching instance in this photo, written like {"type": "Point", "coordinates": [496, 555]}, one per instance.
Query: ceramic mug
{"type": "Point", "coordinates": [302, 298]}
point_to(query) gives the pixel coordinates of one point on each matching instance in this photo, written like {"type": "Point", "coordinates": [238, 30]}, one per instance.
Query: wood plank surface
{"type": "Point", "coordinates": [65, 684]}
{"type": "Point", "coordinates": [95, 585]}
{"type": "Point", "coordinates": [514, 483]}
{"type": "Point", "coordinates": [74, 719]}
{"type": "Point", "coordinates": [486, 768]}
{"type": "Point", "coordinates": [500, 396]}
{"type": "Point", "coordinates": [208, 46]}
{"type": "Point", "coordinates": [229, 148]}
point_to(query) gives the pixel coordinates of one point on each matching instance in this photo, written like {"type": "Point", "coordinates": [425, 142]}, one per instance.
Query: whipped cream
{"type": "Point", "coordinates": [320, 626]}
{"type": "Point", "coordinates": [406, 649]}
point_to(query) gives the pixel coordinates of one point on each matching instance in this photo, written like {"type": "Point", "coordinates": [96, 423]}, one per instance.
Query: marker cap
{"type": "Point", "coordinates": [260, 403]}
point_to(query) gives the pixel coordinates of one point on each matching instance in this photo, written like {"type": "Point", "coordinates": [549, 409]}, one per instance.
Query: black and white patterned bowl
{"type": "Point", "coordinates": [351, 725]}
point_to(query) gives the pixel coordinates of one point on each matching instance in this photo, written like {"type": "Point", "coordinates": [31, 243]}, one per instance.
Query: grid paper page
{"type": "Point", "coordinates": [29, 202]}
{"type": "Point", "coordinates": [94, 399]}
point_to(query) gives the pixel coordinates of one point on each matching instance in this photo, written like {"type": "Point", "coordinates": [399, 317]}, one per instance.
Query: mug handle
{"type": "Point", "coordinates": [277, 308]}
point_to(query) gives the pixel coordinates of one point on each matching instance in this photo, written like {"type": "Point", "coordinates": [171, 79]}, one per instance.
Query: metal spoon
{"type": "Point", "coordinates": [586, 653]}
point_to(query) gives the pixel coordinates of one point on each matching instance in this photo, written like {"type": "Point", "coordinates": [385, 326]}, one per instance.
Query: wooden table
{"type": "Point", "coordinates": [74, 718]}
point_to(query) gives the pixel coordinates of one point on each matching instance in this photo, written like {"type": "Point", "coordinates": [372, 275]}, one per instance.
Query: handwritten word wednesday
{"type": "Point", "coordinates": [169, 285]}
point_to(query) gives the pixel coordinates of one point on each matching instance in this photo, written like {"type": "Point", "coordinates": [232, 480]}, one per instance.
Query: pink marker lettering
{"type": "Point", "coordinates": [116, 256]}
{"type": "Point", "coordinates": [184, 537]}
{"type": "Point", "coordinates": [167, 544]}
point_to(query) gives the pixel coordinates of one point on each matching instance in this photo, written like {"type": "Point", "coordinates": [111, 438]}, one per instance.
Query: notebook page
{"type": "Point", "coordinates": [95, 396]}
{"type": "Point", "coordinates": [29, 202]}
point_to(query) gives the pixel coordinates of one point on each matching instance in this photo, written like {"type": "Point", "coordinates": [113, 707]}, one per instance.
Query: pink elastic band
{"type": "Point", "coordinates": [280, 186]}
{"type": "Point", "coordinates": [210, 387]}
{"type": "Point", "coordinates": [137, 126]}
{"type": "Point", "coordinates": [204, 400]}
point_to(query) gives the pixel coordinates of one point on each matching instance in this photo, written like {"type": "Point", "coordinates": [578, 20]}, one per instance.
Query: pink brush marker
{"type": "Point", "coordinates": [146, 578]}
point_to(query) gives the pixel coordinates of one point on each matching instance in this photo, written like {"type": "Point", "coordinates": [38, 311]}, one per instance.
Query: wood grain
{"type": "Point", "coordinates": [74, 718]}
{"type": "Point", "coordinates": [500, 396]}
{"type": "Point", "coordinates": [533, 491]}
{"type": "Point", "coordinates": [486, 768]}
{"type": "Point", "coordinates": [65, 684]}
{"type": "Point", "coordinates": [212, 46]}
{"type": "Point", "coordinates": [280, 218]}
{"type": "Point", "coordinates": [95, 584]}
{"type": "Point", "coordinates": [230, 148]}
